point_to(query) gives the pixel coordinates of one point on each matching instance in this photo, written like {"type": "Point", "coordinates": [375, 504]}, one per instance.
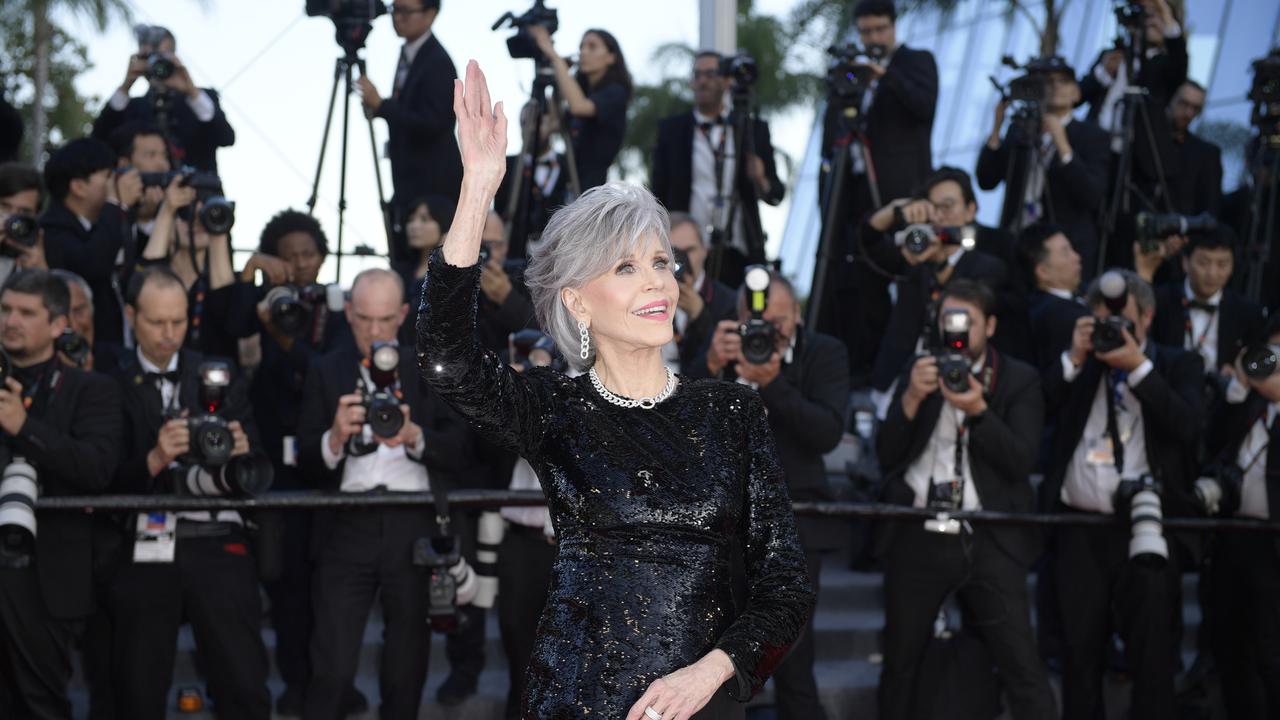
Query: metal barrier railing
{"type": "Point", "coordinates": [492, 499]}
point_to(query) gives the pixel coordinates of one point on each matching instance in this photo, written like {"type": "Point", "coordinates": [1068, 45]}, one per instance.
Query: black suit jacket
{"type": "Point", "coordinates": [899, 123]}
{"type": "Point", "coordinates": [720, 303]}
{"type": "Point", "coordinates": [672, 177]}
{"type": "Point", "coordinates": [532, 211]}
{"type": "Point", "coordinates": [1053, 320]}
{"type": "Point", "coordinates": [73, 441]}
{"type": "Point", "coordinates": [191, 142]}
{"type": "Point", "coordinates": [1002, 449]}
{"type": "Point", "coordinates": [1231, 424]}
{"type": "Point", "coordinates": [1160, 75]}
{"type": "Point", "coordinates": [806, 405]}
{"type": "Point", "coordinates": [1075, 191]}
{"type": "Point", "coordinates": [1238, 319]}
{"type": "Point", "coordinates": [907, 318]}
{"type": "Point", "coordinates": [91, 254]}
{"type": "Point", "coordinates": [1171, 402]}
{"type": "Point", "coordinates": [1194, 168]}
{"type": "Point", "coordinates": [420, 121]}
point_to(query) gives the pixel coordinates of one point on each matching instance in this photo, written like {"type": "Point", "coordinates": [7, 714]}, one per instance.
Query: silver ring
{"type": "Point", "coordinates": [652, 714]}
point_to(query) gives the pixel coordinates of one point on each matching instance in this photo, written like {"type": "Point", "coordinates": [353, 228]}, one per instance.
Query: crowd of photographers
{"type": "Point", "coordinates": [1098, 340]}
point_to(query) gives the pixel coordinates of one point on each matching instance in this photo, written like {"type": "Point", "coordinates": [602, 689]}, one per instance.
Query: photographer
{"type": "Point", "coordinates": [962, 439]}
{"type": "Point", "coordinates": [946, 202]}
{"type": "Point", "coordinates": [21, 195]}
{"type": "Point", "coordinates": [79, 320]}
{"type": "Point", "coordinates": [1192, 165]}
{"type": "Point", "coordinates": [419, 114]}
{"type": "Point", "coordinates": [361, 553]}
{"type": "Point", "coordinates": [65, 423]}
{"type": "Point", "coordinates": [547, 177]}
{"type": "Point", "coordinates": [190, 117]}
{"type": "Point", "coordinates": [1244, 587]}
{"type": "Point", "coordinates": [1160, 70]}
{"type": "Point", "coordinates": [695, 168]}
{"type": "Point", "coordinates": [291, 249]}
{"type": "Point", "coordinates": [85, 227]}
{"type": "Point", "coordinates": [428, 223]}
{"type": "Point", "coordinates": [804, 383]}
{"type": "Point", "coordinates": [896, 111]}
{"type": "Point", "coordinates": [192, 567]}
{"type": "Point", "coordinates": [1052, 268]}
{"type": "Point", "coordinates": [703, 302]}
{"type": "Point", "coordinates": [141, 147]}
{"type": "Point", "coordinates": [1128, 420]}
{"type": "Point", "coordinates": [596, 96]}
{"type": "Point", "coordinates": [1056, 175]}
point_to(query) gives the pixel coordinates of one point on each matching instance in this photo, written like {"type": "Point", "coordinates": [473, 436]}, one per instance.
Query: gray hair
{"type": "Point", "coordinates": [582, 241]}
{"type": "Point", "coordinates": [683, 218]}
{"type": "Point", "coordinates": [1140, 289]}
{"type": "Point", "coordinates": [71, 278]}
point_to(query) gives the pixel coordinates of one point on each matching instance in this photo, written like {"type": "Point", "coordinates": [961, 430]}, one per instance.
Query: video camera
{"type": "Point", "coordinates": [919, 237]}
{"type": "Point", "coordinates": [759, 336]}
{"type": "Point", "coordinates": [352, 19]}
{"type": "Point", "coordinates": [21, 230]}
{"type": "Point", "coordinates": [1108, 332]}
{"type": "Point", "coordinates": [209, 468]}
{"type": "Point", "coordinates": [1027, 94]}
{"type": "Point", "coordinates": [1151, 228]}
{"type": "Point", "coordinates": [848, 77]}
{"type": "Point", "coordinates": [1264, 93]}
{"type": "Point", "coordinates": [522, 45]}
{"type": "Point", "coordinates": [217, 214]}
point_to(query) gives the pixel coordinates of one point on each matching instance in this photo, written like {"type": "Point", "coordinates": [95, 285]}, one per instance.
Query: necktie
{"type": "Point", "coordinates": [402, 72]}
{"type": "Point", "coordinates": [1202, 305]}
{"type": "Point", "coordinates": [155, 377]}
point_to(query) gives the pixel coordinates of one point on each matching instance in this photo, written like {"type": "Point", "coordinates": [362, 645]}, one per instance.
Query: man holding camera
{"type": "Point", "coordinates": [1056, 171]}
{"type": "Point", "coordinates": [369, 426]}
{"type": "Point", "coordinates": [189, 430]}
{"type": "Point", "coordinates": [65, 424]}
{"type": "Point", "coordinates": [544, 184]}
{"type": "Point", "coordinates": [21, 240]}
{"type": "Point", "coordinates": [921, 242]}
{"type": "Point", "coordinates": [695, 170]}
{"type": "Point", "coordinates": [190, 117]}
{"type": "Point", "coordinates": [1160, 70]}
{"type": "Point", "coordinates": [803, 378]}
{"type": "Point", "coordinates": [1052, 268]}
{"type": "Point", "coordinates": [962, 434]}
{"type": "Point", "coordinates": [1128, 414]}
{"type": "Point", "coordinates": [419, 114]}
{"type": "Point", "coordinates": [703, 302]}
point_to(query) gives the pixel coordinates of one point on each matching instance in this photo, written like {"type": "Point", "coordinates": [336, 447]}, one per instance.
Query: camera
{"type": "Point", "coordinates": [21, 230]}
{"type": "Point", "coordinates": [1259, 361]}
{"type": "Point", "coordinates": [917, 237]}
{"type": "Point", "coordinates": [953, 362]}
{"type": "Point", "coordinates": [1108, 332]}
{"type": "Point", "coordinates": [1151, 228]}
{"type": "Point", "coordinates": [382, 406]}
{"type": "Point", "coordinates": [1140, 500]}
{"type": "Point", "coordinates": [19, 489]}
{"type": "Point", "coordinates": [489, 532]}
{"type": "Point", "coordinates": [160, 67]}
{"type": "Point", "coordinates": [351, 19]}
{"type": "Point", "coordinates": [1130, 14]}
{"type": "Point", "coordinates": [217, 214]}
{"type": "Point", "coordinates": [452, 582]}
{"type": "Point", "coordinates": [1264, 93]}
{"type": "Point", "coordinates": [849, 77]}
{"type": "Point", "coordinates": [291, 306]}
{"type": "Point", "coordinates": [741, 68]}
{"type": "Point", "coordinates": [521, 45]}
{"type": "Point", "coordinates": [211, 439]}
{"type": "Point", "coordinates": [1220, 494]}
{"type": "Point", "coordinates": [682, 264]}
{"type": "Point", "coordinates": [243, 475]}
{"type": "Point", "coordinates": [73, 345]}
{"type": "Point", "coordinates": [759, 336]}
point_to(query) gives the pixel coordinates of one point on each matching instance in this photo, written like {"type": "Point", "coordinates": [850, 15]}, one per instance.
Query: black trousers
{"type": "Point", "coordinates": [363, 554]}
{"type": "Point", "coordinates": [1245, 588]}
{"type": "Point", "coordinates": [290, 595]}
{"type": "Point", "coordinates": [1100, 591]}
{"type": "Point", "coordinates": [35, 651]}
{"type": "Point", "coordinates": [921, 571]}
{"type": "Point", "coordinates": [524, 578]}
{"type": "Point", "coordinates": [213, 584]}
{"type": "Point", "coordinates": [797, 690]}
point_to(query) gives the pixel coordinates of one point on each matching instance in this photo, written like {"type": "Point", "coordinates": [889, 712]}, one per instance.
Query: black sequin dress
{"type": "Point", "coordinates": [648, 507]}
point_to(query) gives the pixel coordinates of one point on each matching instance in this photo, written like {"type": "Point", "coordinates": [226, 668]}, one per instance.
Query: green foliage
{"type": "Point", "coordinates": [70, 115]}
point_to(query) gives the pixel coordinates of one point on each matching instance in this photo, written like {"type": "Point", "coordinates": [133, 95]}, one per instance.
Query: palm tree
{"type": "Point", "coordinates": [100, 11]}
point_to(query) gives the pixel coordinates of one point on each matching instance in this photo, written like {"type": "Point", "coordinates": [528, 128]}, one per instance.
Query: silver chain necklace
{"type": "Point", "coordinates": [646, 403]}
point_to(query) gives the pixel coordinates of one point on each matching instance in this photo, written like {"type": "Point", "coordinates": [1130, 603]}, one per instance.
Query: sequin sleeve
{"type": "Point", "coordinates": [509, 408]}
{"type": "Point", "coordinates": [779, 597]}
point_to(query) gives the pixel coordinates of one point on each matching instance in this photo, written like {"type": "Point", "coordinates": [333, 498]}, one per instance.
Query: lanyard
{"type": "Point", "coordinates": [720, 154]}
{"type": "Point", "coordinates": [1197, 343]}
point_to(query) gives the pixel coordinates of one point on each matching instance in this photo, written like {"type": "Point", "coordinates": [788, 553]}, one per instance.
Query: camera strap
{"type": "Point", "coordinates": [36, 395]}
{"type": "Point", "coordinates": [1113, 424]}
{"type": "Point", "coordinates": [720, 153]}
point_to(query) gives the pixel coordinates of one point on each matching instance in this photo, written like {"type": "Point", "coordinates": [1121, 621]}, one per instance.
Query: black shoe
{"type": "Point", "coordinates": [456, 688]}
{"type": "Point", "coordinates": [290, 702]}
{"type": "Point", "coordinates": [355, 703]}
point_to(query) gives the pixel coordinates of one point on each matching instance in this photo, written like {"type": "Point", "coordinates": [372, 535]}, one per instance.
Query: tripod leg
{"type": "Point", "coordinates": [383, 205]}
{"type": "Point", "coordinates": [830, 212]}
{"type": "Point", "coordinates": [570, 158]}
{"type": "Point", "coordinates": [324, 139]}
{"type": "Point", "coordinates": [342, 178]}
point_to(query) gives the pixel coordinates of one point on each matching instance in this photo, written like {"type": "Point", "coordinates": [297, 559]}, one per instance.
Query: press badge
{"type": "Point", "coordinates": [290, 451]}
{"type": "Point", "coordinates": [155, 539]}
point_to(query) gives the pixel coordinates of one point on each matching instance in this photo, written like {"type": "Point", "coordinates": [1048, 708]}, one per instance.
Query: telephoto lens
{"type": "Point", "coordinates": [1147, 544]}
{"type": "Point", "coordinates": [218, 215]}
{"type": "Point", "coordinates": [160, 67]}
{"type": "Point", "coordinates": [21, 229]}
{"type": "Point", "coordinates": [241, 476]}
{"type": "Point", "coordinates": [489, 533]}
{"type": "Point", "coordinates": [287, 313]}
{"type": "Point", "coordinates": [916, 238]}
{"type": "Point", "coordinates": [19, 490]}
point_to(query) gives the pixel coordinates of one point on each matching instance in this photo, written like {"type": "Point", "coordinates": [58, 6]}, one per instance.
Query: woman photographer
{"type": "Point", "coordinates": [597, 98]}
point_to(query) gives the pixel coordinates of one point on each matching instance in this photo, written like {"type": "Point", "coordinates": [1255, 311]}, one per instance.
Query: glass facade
{"type": "Point", "coordinates": [1223, 37]}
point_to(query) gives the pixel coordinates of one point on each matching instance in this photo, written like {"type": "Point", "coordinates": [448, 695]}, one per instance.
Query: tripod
{"type": "Point", "coordinates": [342, 74]}
{"type": "Point", "coordinates": [520, 201]}
{"type": "Point", "coordinates": [1134, 107]}
{"type": "Point", "coordinates": [743, 122]}
{"type": "Point", "coordinates": [1262, 229]}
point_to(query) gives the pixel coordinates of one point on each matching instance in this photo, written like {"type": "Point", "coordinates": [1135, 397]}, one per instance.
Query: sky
{"type": "Point", "coordinates": [273, 67]}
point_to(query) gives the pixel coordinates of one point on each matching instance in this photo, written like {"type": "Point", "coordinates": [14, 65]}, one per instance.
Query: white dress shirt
{"type": "Point", "coordinates": [1033, 199]}
{"type": "Point", "coordinates": [708, 205]}
{"type": "Point", "coordinates": [1252, 459]}
{"type": "Point", "coordinates": [524, 478]}
{"type": "Point", "coordinates": [936, 464]}
{"type": "Point", "coordinates": [1202, 336]}
{"type": "Point", "coordinates": [394, 469]}
{"type": "Point", "coordinates": [1091, 480]}
{"type": "Point", "coordinates": [202, 105]}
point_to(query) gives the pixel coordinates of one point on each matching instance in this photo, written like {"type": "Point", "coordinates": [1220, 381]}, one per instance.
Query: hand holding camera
{"type": "Point", "coordinates": [173, 442]}
{"type": "Point", "coordinates": [348, 422]}
{"type": "Point", "coordinates": [494, 281]}
{"type": "Point", "coordinates": [138, 67]}
{"type": "Point", "coordinates": [125, 189]}
{"type": "Point", "coordinates": [923, 383]}
{"type": "Point", "coordinates": [726, 346]}
{"type": "Point", "coordinates": [13, 414]}
{"type": "Point", "coordinates": [1127, 356]}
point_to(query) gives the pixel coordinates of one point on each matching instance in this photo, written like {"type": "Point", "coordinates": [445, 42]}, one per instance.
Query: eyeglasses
{"type": "Point", "coordinates": [705, 74]}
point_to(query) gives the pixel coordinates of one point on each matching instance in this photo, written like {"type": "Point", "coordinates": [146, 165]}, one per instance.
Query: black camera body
{"type": "Point", "coordinates": [160, 67]}
{"type": "Point", "coordinates": [1132, 15]}
{"type": "Point", "coordinates": [954, 367]}
{"type": "Point", "coordinates": [1259, 361]}
{"type": "Point", "coordinates": [351, 19]}
{"type": "Point", "coordinates": [759, 336]}
{"type": "Point", "coordinates": [211, 439]}
{"type": "Point", "coordinates": [217, 214]}
{"type": "Point", "coordinates": [1108, 333]}
{"type": "Point", "coordinates": [73, 345]}
{"type": "Point", "coordinates": [522, 45]}
{"type": "Point", "coordinates": [848, 77]}
{"type": "Point", "coordinates": [291, 305]}
{"type": "Point", "coordinates": [1151, 228]}
{"type": "Point", "coordinates": [21, 230]}
{"type": "Point", "coordinates": [682, 264]}
{"type": "Point", "coordinates": [918, 237]}
{"type": "Point", "coordinates": [382, 406]}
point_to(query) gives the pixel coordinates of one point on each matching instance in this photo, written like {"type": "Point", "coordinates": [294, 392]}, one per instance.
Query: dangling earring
{"type": "Point", "coordinates": [586, 340]}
